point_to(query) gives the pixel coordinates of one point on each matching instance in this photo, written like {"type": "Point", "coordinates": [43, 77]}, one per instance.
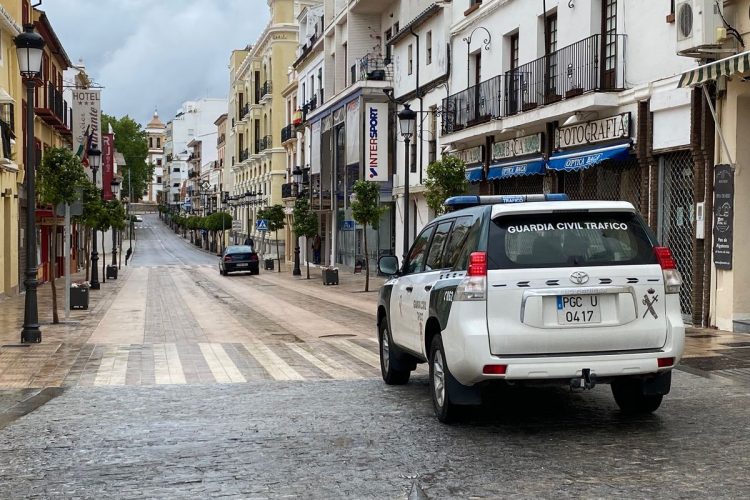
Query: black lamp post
{"type": "Point", "coordinates": [297, 175]}
{"type": "Point", "coordinates": [95, 157]}
{"type": "Point", "coordinates": [115, 186]}
{"type": "Point", "coordinates": [29, 47]}
{"type": "Point", "coordinates": [408, 123]}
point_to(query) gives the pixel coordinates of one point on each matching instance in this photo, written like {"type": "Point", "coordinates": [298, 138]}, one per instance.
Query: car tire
{"type": "Point", "coordinates": [389, 358]}
{"type": "Point", "coordinates": [445, 411]}
{"type": "Point", "coordinates": [629, 397]}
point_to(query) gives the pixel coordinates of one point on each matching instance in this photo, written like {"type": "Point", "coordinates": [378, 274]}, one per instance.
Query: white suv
{"type": "Point", "coordinates": [533, 289]}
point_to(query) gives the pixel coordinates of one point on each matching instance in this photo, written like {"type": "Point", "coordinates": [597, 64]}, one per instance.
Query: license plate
{"type": "Point", "coordinates": [243, 265]}
{"type": "Point", "coordinates": [578, 309]}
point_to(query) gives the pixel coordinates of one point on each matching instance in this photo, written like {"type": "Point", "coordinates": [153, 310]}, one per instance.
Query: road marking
{"type": "Point", "coordinates": [167, 365]}
{"type": "Point", "coordinates": [358, 352]}
{"type": "Point", "coordinates": [104, 372]}
{"type": "Point", "coordinates": [324, 363]}
{"type": "Point", "coordinates": [222, 367]}
{"type": "Point", "coordinates": [273, 364]}
{"type": "Point", "coordinates": [119, 366]}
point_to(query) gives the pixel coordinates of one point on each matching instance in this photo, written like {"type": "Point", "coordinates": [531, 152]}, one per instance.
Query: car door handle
{"type": "Point", "coordinates": [427, 288]}
{"type": "Point", "coordinates": [409, 288]}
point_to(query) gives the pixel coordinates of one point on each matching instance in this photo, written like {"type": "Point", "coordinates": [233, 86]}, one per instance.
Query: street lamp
{"type": "Point", "coordinates": [29, 48]}
{"type": "Point", "coordinates": [115, 187]}
{"type": "Point", "coordinates": [408, 123]}
{"type": "Point", "coordinates": [297, 175]}
{"type": "Point", "coordinates": [95, 157]}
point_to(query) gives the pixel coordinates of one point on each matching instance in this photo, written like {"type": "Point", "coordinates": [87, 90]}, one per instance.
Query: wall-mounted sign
{"type": "Point", "coordinates": [521, 146]}
{"type": "Point", "coordinates": [376, 141]}
{"type": "Point", "coordinates": [606, 129]}
{"type": "Point", "coordinates": [470, 156]}
{"type": "Point", "coordinates": [723, 216]}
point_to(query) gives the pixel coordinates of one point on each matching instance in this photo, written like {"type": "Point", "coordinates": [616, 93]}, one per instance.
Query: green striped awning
{"type": "Point", "coordinates": [724, 67]}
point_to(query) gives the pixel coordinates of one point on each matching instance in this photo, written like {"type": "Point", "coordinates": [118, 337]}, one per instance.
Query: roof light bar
{"type": "Point", "coordinates": [474, 200]}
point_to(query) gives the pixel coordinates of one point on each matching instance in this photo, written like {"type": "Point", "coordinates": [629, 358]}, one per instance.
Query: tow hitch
{"type": "Point", "coordinates": [586, 381]}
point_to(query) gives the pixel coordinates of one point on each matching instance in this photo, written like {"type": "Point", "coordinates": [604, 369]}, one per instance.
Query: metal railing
{"type": "Point", "coordinates": [589, 65]}
{"type": "Point", "coordinates": [287, 133]}
{"type": "Point", "coordinates": [53, 100]}
{"type": "Point", "coordinates": [244, 110]}
{"type": "Point", "coordinates": [371, 67]}
{"type": "Point", "coordinates": [289, 190]}
{"type": "Point", "coordinates": [265, 143]}
{"type": "Point", "coordinates": [244, 155]}
{"type": "Point", "coordinates": [265, 89]}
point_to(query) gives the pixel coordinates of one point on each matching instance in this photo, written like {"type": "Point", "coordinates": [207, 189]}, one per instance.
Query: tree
{"type": "Point", "coordinates": [59, 178]}
{"type": "Point", "coordinates": [445, 178]}
{"type": "Point", "coordinates": [305, 223]}
{"type": "Point", "coordinates": [219, 221]}
{"type": "Point", "coordinates": [276, 219]}
{"type": "Point", "coordinates": [130, 140]}
{"type": "Point", "coordinates": [113, 217]}
{"type": "Point", "coordinates": [366, 210]}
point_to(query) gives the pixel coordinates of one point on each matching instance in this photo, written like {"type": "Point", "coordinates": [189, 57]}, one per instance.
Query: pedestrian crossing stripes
{"type": "Point", "coordinates": [228, 363]}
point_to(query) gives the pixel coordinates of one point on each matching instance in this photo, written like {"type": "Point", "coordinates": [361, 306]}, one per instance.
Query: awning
{"type": "Point", "coordinates": [581, 160]}
{"type": "Point", "coordinates": [475, 174]}
{"type": "Point", "coordinates": [517, 168]}
{"type": "Point", "coordinates": [729, 66]}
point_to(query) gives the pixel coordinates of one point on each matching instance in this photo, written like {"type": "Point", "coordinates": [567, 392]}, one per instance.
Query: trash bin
{"type": "Point", "coordinates": [268, 264]}
{"type": "Point", "coordinates": [79, 297]}
{"type": "Point", "coordinates": [111, 272]}
{"type": "Point", "coordinates": [330, 276]}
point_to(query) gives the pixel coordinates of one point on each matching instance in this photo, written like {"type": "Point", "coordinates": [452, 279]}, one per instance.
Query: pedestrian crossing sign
{"type": "Point", "coordinates": [261, 225]}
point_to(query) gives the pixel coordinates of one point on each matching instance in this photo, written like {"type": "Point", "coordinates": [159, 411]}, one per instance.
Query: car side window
{"type": "Point", "coordinates": [418, 253]}
{"type": "Point", "coordinates": [456, 241]}
{"type": "Point", "coordinates": [435, 254]}
{"type": "Point", "coordinates": [470, 243]}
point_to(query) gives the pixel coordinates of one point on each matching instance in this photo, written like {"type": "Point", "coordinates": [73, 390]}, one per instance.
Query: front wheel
{"type": "Point", "coordinates": [388, 362]}
{"type": "Point", "coordinates": [445, 410]}
{"type": "Point", "coordinates": [630, 398]}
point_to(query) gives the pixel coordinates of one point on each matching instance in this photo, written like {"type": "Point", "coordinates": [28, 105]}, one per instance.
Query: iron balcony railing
{"type": "Point", "coordinates": [287, 133]}
{"type": "Point", "coordinates": [289, 190]}
{"type": "Point", "coordinates": [265, 89]}
{"type": "Point", "coordinates": [372, 67]}
{"type": "Point", "coordinates": [244, 155]}
{"type": "Point", "coordinates": [265, 143]}
{"type": "Point", "coordinates": [594, 64]}
{"type": "Point", "coordinates": [244, 110]}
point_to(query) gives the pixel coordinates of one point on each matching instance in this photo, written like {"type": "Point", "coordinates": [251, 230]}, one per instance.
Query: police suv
{"type": "Point", "coordinates": [533, 289]}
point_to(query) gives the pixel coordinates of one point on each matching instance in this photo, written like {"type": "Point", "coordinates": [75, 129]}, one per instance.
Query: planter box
{"type": "Point", "coordinates": [79, 297]}
{"type": "Point", "coordinates": [330, 276]}
{"type": "Point", "coordinates": [573, 92]}
{"type": "Point", "coordinates": [111, 272]}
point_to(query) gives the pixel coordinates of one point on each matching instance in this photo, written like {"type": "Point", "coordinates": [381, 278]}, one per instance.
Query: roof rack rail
{"type": "Point", "coordinates": [464, 201]}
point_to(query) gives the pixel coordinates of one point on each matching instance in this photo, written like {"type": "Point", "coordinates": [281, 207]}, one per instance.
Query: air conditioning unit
{"type": "Point", "coordinates": [698, 24]}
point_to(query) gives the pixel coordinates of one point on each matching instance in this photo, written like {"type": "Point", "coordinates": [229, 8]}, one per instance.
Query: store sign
{"type": "Point", "coordinates": [521, 146]}
{"type": "Point", "coordinates": [593, 132]}
{"type": "Point", "coordinates": [108, 162]}
{"type": "Point", "coordinates": [86, 117]}
{"type": "Point", "coordinates": [470, 156]}
{"type": "Point", "coordinates": [723, 216]}
{"type": "Point", "coordinates": [376, 141]}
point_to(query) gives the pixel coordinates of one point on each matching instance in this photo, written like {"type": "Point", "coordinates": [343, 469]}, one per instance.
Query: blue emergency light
{"type": "Point", "coordinates": [464, 201]}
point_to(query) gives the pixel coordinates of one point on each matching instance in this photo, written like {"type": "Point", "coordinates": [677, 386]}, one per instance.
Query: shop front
{"type": "Point", "coordinates": [517, 165]}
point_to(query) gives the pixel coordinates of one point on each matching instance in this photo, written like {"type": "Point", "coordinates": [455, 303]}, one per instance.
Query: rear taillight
{"type": "Point", "coordinates": [477, 264]}
{"type": "Point", "coordinates": [254, 257]}
{"type": "Point", "coordinates": [474, 285]}
{"type": "Point", "coordinates": [665, 362]}
{"type": "Point", "coordinates": [495, 369]}
{"type": "Point", "coordinates": [672, 278]}
{"type": "Point", "coordinates": [227, 258]}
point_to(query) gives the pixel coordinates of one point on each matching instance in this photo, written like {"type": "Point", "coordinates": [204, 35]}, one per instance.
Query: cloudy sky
{"type": "Point", "coordinates": [155, 53]}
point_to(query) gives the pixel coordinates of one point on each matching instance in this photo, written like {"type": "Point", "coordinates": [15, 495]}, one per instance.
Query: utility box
{"type": "Point", "coordinates": [268, 264]}
{"type": "Point", "coordinates": [111, 272]}
{"type": "Point", "coordinates": [330, 276]}
{"type": "Point", "coordinates": [79, 297]}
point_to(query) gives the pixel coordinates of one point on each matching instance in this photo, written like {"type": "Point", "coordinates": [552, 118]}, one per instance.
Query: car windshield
{"type": "Point", "coordinates": [569, 239]}
{"type": "Point", "coordinates": [240, 249]}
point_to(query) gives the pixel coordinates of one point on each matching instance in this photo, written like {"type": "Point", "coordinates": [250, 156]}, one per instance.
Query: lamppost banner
{"type": "Point", "coordinates": [87, 118]}
{"type": "Point", "coordinates": [376, 141]}
{"type": "Point", "coordinates": [108, 164]}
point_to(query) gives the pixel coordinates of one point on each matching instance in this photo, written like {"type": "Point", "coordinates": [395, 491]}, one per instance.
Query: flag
{"type": "Point", "coordinates": [88, 142]}
{"type": "Point", "coordinates": [82, 146]}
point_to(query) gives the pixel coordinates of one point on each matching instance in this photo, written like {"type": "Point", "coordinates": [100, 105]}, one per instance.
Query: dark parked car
{"type": "Point", "coordinates": [239, 258]}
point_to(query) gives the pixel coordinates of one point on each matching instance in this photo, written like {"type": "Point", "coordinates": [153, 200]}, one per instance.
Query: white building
{"type": "Point", "coordinates": [194, 120]}
{"type": "Point", "coordinates": [156, 137]}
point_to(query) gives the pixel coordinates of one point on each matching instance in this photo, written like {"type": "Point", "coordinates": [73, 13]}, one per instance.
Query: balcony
{"type": "Point", "coordinates": [244, 110]}
{"type": "Point", "coordinates": [265, 90]}
{"type": "Point", "coordinates": [53, 109]}
{"type": "Point", "coordinates": [287, 133]}
{"type": "Point", "coordinates": [244, 155]}
{"type": "Point", "coordinates": [564, 74]}
{"type": "Point", "coordinates": [372, 68]}
{"type": "Point", "coordinates": [265, 143]}
{"type": "Point", "coordinates": [221, 139]}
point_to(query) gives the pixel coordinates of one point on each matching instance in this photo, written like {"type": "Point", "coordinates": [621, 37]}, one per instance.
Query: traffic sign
{"type": "Point", "coordinates": [261, 225]}
{"type": "Point", "coordinates": [236, 225]}
{"type": "Point", "coordinates": [348, 225]}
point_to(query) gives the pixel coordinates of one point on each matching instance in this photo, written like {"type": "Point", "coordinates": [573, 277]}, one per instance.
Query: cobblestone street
{"type": "Point", "coordinates": [178, 382]}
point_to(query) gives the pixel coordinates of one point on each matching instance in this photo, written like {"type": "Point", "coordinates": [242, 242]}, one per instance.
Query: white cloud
{"type": "Point", "coordinates": [149, 53]}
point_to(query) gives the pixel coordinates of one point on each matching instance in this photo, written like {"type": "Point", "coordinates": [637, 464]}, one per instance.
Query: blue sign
{"type": "Point", "coordinates": [348, 225]}
{"type": "Point", "coordinates": [588, 158]}
{"type": "Point", "coordinates": [261, 225]}
{"type": "Point", "coordinates": [506, 170]}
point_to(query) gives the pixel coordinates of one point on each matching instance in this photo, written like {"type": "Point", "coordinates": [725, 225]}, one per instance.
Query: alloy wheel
{"type": "Point", "coordinates": [438, 378]}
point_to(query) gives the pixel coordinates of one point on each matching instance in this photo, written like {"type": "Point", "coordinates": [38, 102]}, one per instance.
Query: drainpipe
{"type": "Point", "coordinates": [421, 110]}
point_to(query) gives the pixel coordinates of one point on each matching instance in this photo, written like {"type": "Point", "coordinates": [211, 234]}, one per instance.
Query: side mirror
{"type": "Point", "coordinates": [388, 265]}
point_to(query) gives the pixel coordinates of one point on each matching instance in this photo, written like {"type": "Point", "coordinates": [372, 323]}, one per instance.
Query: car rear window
{"type": "Point", "coordinates": [240, 249]}
{"type": "Point", "coordinates": [568, 239]}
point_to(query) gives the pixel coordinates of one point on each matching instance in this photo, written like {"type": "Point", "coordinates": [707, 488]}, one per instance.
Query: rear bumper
{"type": "Point", "coordinates": [467, 351]}
{"type": "Point", "coordinates": [252, 266]}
